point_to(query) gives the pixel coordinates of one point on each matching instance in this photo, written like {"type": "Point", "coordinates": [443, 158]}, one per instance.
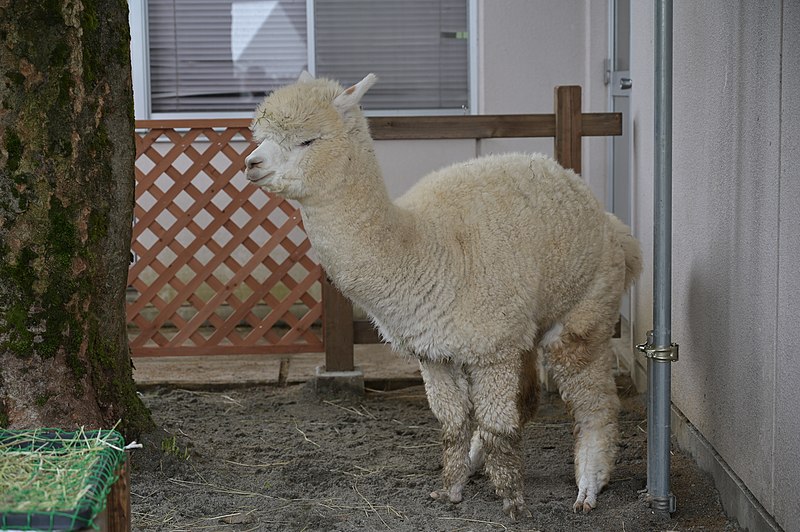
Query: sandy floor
{"type": "Point", "coordinates": [270, 458]}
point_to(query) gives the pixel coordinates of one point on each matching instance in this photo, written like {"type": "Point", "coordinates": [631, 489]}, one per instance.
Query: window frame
{"type": "Point", "coordinates": [140, 69]}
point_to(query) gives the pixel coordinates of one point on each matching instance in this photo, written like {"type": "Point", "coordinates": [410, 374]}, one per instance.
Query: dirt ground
{"type": "Point", "coordinates": [270, 458]}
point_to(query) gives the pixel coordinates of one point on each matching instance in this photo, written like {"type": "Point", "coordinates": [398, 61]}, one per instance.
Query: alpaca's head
{"type": "Point", "coordinates": [306, 133]}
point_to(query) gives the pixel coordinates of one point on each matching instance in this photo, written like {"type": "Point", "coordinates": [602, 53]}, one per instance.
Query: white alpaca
{"type": "Point", "coordinates": [476, 271]}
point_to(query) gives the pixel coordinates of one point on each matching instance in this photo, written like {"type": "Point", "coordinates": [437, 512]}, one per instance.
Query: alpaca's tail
{"type": "Point", "coordinates": [633, 252]}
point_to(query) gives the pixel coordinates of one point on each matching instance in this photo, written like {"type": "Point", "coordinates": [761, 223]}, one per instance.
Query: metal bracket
{"type": "Point", "coordinates": [662, 504]}
{"type": "Point", "coordinates": [664, 354]}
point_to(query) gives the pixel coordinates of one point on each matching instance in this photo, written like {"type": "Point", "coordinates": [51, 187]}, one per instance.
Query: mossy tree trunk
{"type": "Point", "coordinates": [66, 200]}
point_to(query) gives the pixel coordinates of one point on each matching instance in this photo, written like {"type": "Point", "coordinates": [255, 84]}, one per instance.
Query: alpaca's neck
{"type": "Point", "coordinates": [357, 231]}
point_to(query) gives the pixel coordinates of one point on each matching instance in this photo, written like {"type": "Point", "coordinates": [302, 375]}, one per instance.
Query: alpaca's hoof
{"type": "Point", "coordinates": [514, 508]}
{"type": "Point", "coordinates": [585, 502]}
{"type": "Point", "coordinates": [453, 495]}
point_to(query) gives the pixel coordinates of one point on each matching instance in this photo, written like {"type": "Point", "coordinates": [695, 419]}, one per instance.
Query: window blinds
{"type": "Point", "coordinates": [217, 56]}
{"type": "Point", "coordinates": [417, 48]}
{"type": "Point", "coordinates": [211, 55]}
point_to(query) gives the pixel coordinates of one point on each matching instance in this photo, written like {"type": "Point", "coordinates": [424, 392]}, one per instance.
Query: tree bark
{"type": "Point", "coordinates": [66, 204]}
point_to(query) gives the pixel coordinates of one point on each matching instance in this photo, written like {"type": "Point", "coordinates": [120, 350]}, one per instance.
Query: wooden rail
{"type": "Point", "coordinates": [568, 125]}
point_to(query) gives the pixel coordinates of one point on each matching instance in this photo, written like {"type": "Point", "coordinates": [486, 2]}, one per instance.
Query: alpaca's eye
{"type": "Point", "coordinates": [308, 142]}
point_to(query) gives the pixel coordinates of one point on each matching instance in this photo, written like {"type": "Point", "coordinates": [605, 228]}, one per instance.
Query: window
{"type": "Point", "coordinates": [219, 58]}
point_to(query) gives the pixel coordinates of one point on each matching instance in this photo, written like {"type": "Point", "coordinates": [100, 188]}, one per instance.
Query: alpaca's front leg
{"type": "Point", "coordinates": [495, 396]}
{"type": "Point", "coordinates": [448, 396]}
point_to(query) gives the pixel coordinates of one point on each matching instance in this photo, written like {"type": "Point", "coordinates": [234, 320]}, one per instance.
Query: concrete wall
{"type": "Point", "coordinates": [736, 194]}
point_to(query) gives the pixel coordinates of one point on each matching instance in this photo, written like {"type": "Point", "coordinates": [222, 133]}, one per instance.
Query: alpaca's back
{"type": "Point", "coordinates": [533, 234]}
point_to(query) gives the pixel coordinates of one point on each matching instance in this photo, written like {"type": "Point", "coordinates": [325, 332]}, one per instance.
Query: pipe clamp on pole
{"type": "Point", "coordinates": [660, 353]}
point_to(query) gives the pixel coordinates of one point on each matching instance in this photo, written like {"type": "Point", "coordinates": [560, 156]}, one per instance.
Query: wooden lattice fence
{"type": "Point", "coordinates": [220, 267]}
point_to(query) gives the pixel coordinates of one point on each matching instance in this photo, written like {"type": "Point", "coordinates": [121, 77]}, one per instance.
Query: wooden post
{"type": "Point", "coordinates": [568, 126]}
{"type": "Point", "coordinates": [337, 328]}
{"type": "Point", "coordinates": [118, 504]}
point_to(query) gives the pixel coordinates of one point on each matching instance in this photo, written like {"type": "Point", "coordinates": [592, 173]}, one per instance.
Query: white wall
{"type": "Point", "coordinates": [526, 48]}
{"type": "Point", "coordinates": [405, 161]}
{"type": "Point", "coordinates": [641, 118]}
{"type": "Point", "coordinates": [529, 47]}
{"type": "Point", "coordinates": [735, 231]}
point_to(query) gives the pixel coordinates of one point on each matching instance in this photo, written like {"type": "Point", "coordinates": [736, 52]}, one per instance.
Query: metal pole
{"type": "Point", "coordinates": [658, 368]}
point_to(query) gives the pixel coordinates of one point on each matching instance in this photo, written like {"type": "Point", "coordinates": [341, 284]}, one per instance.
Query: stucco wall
{"type": "Point", "coordinates": [735, 225]}
{"type": "Point", "coordinates": [786, 479]}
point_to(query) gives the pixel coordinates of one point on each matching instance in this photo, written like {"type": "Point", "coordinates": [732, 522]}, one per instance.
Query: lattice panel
{"type": "Point", "coordinates": [220, 266]}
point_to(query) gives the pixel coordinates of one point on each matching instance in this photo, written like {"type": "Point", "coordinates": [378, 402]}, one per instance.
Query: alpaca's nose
{"type": "Point", "coordinates": [253, 160]}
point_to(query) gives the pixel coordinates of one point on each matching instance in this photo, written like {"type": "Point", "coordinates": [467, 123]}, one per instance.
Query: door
{"type": "Point", "coordinates": [618, 186]}
{"type": "Point", "coordinates": [618, 197]}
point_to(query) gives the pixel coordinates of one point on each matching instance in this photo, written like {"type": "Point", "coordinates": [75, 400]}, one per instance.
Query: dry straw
{"type": "Point", "coordinates": [52, 479]}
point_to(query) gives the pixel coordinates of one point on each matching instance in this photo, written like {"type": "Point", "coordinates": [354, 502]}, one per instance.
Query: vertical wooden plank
{"type": "Point", "coordinates": [568, 126]}
{"type": "Point", "coordinates": [337, 328]}
{"type": "Point", "coordinates": [568, 153]}
{"type": "Point", "coordinates": [118, 504]}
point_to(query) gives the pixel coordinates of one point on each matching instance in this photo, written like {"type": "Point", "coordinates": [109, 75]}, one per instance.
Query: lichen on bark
{"type": "Point", "coordinates": [66, 200]}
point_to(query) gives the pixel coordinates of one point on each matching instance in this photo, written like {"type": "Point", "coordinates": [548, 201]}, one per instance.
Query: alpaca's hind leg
{"type": "Point", "coordinates": [586, 383]}
{"type": "Point", "coordinates": [495, 396]}
{"type": "Point", "coordinates": [477, 454]}
{"type": "Point", "coordinates": [448, 396]}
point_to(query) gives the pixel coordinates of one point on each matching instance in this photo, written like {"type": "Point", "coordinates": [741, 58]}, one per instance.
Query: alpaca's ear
{"type": "Point", "coordinates": [305, 77]}
{"type": "Point", "coordinates": [350, 97]}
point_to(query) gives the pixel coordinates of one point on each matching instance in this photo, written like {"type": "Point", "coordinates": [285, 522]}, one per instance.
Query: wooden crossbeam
{"type": "Point", "coordinates": [447, 127]}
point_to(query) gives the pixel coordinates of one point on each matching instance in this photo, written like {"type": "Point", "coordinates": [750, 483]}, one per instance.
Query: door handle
{"type": "Point", "coordinates": [625, 83]}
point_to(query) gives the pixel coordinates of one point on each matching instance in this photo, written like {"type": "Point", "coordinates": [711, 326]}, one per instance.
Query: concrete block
{"type": "Point", "coordinates": [339, 382]}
